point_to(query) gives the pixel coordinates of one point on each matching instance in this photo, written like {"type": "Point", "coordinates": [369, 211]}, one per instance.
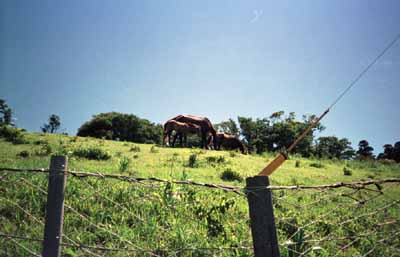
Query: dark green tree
{"type": "Point", "coordinates": [120, 126]}
{"type": "Point", "coordinates": [6, 114]}
{"type": "Point", "coordinates": [53, 124]}
{"type": "Point", "coordinates": [333, 147]}
{"type": "Point", "coordinates": [365, 151]}
{"type": "Point", "coordinates": [277, 132]}
{"type": "Point", "coordinates": [396, 152]}
{"type": "Point", "coordinates": [388, 153]}
{"type": "Point", "coordinates": [228, 127]}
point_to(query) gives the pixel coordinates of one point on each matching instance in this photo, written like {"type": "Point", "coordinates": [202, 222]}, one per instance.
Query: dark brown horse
{"type": "Point", "coordinates": [180, 128]}
{"type": "Point", "coordinates": [229, 142]}
{"type": "Point", "coordinates": [205, 124]}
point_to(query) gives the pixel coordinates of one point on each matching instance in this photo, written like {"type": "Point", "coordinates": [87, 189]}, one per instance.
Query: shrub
{"type": "Point", "coordinates": [23, 154]}
{"type": "Point", "coordinates": [215, 159]}
{"type": "Point", "coordinates": [11, 134]}
{"type": "Point", "coordinates": [153, 149]}
{"type": "Point", "coordinates": [317, 165]}
{"type": "Point", "coordinates": [74, 139]}
{"type": "Point", "coordinates": [347, 171]}
{"type": "Point", "coordinates": [387, 162]}
{"type": "Point", "coordinates": [91, 153]}
{"type": "Point", "coordinates": [192, 160]}
{"type": "Point", "coordinates": [135, 149]}
{"type": "Point", "coordinates": [297, 164]}
{"type": "Point", "coordinates": [40, 142]}
{"type": "Point", "coordinates": [44, 150]}
{"type": "Point", "coordinates": [231, 175]}
{"type": "Point", "coordinates": [124, 164]}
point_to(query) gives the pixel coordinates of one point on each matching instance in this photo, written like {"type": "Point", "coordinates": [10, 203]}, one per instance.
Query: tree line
{"type": "Point", "coordinates": [269, 134]}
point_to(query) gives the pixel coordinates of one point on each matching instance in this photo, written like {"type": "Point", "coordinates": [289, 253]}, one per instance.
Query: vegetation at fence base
{"type": "Point", "coordinates": [170, 216]}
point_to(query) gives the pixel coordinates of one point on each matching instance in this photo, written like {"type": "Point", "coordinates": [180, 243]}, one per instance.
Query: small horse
{"type": "Point", "coordinates": [230, 142]}
{"type": "Point", "coordinates": [181, 130]}
{"type": "Point", "coordinates": [205, 126]}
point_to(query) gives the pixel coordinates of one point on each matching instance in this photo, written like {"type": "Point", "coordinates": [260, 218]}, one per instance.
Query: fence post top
{"type": "Point", "coordinates": [257, 181]}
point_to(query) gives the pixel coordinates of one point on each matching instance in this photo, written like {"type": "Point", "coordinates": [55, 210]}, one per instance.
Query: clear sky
{"type": "Point", "coordinates": [219, 59]}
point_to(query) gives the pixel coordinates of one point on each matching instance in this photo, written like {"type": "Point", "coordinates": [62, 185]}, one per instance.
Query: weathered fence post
{"type": "Point", "coordinates": [263, 230]}
{"type": "Point", "coordinates": [55, 207]}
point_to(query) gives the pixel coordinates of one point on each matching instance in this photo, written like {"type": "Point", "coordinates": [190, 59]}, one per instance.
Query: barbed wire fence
{"type": "Point", "coordinates": [117, 215]}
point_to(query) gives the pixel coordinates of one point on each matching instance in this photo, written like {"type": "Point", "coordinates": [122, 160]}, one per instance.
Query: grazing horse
{"type": "Point", "coordinates": [205, 124]}
{"type": "Point", "coordinates": [181, 129]}
{"type": "Point", "coordinates": [229, 142]}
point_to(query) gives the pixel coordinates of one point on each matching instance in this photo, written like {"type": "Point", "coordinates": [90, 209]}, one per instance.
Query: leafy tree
{"type": "Point", "coordinates": [333, 147]}
{"type": "Point", "coordinates": [365, 151]}
{"type": "Point", "coordinates": [388, 151]}
{"type": "Point", "coordinates": [6, 114]}
{"type": "Point", "coordinates": [277, 132]}
{"type": "Point", "coordinates": [391, 152]}
{"type": "Point", "coordinates": [53, 124]}
{"type": "Point", "coordinates": [396, 151]}
{"type": "Point", "coordinates": [120, 126]}
{"type": "Point", "coordinates": [254, 133]}
{"type": "Point", "coordinates": [228, 127]}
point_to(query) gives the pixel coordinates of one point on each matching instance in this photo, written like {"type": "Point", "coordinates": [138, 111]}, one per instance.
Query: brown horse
{"type": "Point", "coordinates": [205, 124]}
{"type": "Point", "coordinates": [181, 129]}
{"type": "Point", "coordinates": [230, 142]}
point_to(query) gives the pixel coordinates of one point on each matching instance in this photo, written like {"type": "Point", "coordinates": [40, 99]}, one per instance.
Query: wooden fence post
{"type": "Point", "coordinates": [55, 207]}
{"type": "Point", "coordinates": [263, 230]}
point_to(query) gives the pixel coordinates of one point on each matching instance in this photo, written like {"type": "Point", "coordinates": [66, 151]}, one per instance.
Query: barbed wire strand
{"type": "Point", "coordinates": [24, 247]}
{"type": "Point", "coordinates": [356, 184]}
{"type": "Point", "coordinates": [101, 248]}
{"type": "Point", "coordinates": [121, 206]}
{"type": "Point", "coordinates": [68, 207]}
{"type": "Point", "coordinates": [42, 223]}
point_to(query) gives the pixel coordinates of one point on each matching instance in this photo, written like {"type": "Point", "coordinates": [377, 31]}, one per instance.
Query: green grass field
{"type": "Point", "coordinates": [165, 219]}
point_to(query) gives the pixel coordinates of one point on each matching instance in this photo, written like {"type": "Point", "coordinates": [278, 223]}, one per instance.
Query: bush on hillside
{"type": "Point", "coordinates": [122, 127]}
{"type": "Point", "coordinates": [317, 165]}
{"type": "Point", "coordinates": [135, 149]}
{"type": "Point", "coordinates": [347, 171]}
{"type": "Point", "coordinates": [11, 134]}
{"type": "Point", "coordinates": [215, 159]}
{"type": "Point", "coordinates": [192, 163]}
{"type": "Point", "coordinates": [124, 164]}
{"type": "Point", "coordinates": [231, 175]}
{"type": "Point", "coordinates": [91, 153]}
{"type": "Point", "coordinates": [44, 150]}
{"type": "Point", "coordinates": [23, 154]}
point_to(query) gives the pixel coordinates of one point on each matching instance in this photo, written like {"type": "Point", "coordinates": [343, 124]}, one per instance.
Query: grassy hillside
{"type": "Point", "coordinates": [165, 219]}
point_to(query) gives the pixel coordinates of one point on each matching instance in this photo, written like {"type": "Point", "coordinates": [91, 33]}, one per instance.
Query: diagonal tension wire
{"type": "Point", "coordinates": [362, 73]}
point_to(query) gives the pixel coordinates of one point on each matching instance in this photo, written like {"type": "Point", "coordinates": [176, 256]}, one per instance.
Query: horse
{"type": "Point", "coordinates": [230, 142]}
{"type": "Point", "coordinates": [181, 129]}
{"type": "Point", "coordinates": [205, 124]}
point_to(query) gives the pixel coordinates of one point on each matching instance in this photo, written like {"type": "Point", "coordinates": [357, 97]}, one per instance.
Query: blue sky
{"type": "Point", "coordinates": [219, 59]}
